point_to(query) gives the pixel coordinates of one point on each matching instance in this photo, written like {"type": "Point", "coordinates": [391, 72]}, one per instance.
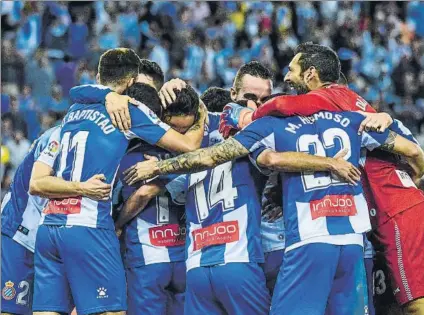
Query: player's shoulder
{"type": "Point", "coordinates": [140, 110]}
{"type": "Point", "coordinates": [354, 117]}
{"type": "Point", "coordinates": [52, 134]}
{"type": "Point", "coordinates": [50, 138]}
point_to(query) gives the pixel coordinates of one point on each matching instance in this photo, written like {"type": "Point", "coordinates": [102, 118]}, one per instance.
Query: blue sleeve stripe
{"type": "Point", "coordinates": [369, 142]}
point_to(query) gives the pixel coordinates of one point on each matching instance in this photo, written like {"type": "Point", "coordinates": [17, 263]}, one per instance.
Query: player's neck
{"type": "Point", "coordinates": [319, 85]}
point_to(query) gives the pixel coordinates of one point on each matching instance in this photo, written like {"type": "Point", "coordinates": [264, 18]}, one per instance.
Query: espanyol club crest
{"type": "Point", "coordinates": [8, 291]}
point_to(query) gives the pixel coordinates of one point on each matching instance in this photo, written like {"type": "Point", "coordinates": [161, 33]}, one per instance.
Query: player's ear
{"type": "Point", "coordinates": [310, 74]}
{"type": "Point", "coordinates": [233, 94]}
{"type": "Point", "coordinates": [98, 78]}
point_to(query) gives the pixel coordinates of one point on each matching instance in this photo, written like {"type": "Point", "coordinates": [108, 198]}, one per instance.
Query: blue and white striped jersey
{"type": "Point", "coordinates": [223, 211]}
{"type": "Point", "coordinates": [316, 204]}
{"type": "Point", "coordinates": [21, 212]}
{"type": "Point", "coordinates": [91, 145]}
{"type": "Point", "coordinates": [157, 234]}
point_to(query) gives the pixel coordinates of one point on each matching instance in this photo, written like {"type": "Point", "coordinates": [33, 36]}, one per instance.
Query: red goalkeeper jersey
{"type": "Point", "coordinates": [392, 189]}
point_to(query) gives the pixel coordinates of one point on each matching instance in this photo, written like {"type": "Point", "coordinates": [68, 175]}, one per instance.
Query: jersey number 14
{"type": "Point", "coordinates": [220, 190]}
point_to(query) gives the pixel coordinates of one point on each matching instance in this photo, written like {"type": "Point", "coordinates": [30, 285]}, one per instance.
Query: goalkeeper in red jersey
{"type": "Point", "coordinates": [398, 228]}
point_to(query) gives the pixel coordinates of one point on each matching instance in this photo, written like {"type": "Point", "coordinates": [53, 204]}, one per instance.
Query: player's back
{"type": "Point", "coordinates": [91, 145]}
{"type": "Point", "coordinates": [20, 211]}
{"type": "Point", "coordinates": [316, 204]}
{"type": "Point", "coordinates": [157, 234]}
{"type": "Point", "coordinates": [223, 215]}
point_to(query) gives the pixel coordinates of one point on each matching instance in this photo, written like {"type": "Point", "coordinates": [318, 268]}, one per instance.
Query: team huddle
{"type": "Point", "coordinates": [146, 201]}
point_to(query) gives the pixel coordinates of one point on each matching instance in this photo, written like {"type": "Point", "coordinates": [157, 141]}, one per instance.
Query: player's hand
{"type": "Point", "coordinates": [167, 94]}
{"type": "Point", "coordinates": [95, 188]}
{"type": "Point", "coordinates": [375, 122]}
{"type": "Point", "coordinates": [230, 118]}
{"type": "Point", "coordinates": [141, 170]}
{"type": "Point", "coordinates": [344, 170]}
{"type": "Point", "coordinates": [118, 232]}
{"type": "Point", "coordinates": [117, 107]}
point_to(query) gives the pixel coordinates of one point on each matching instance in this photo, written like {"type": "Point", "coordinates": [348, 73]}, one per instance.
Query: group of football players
{"type": "Point", "coordinates": [144, 201]}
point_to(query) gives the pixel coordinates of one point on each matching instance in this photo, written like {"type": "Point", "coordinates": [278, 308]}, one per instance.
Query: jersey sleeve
{"type": "Point", "coordinates": [177, 188]}
{"type": "Point", "coordinates": [291, 105]}
{"type": "Point", "coordinates": [259, 135]}
{"type": "Point", "coordinates": [145, 124]}
{"type": "Point", "coordinates": [372, 140]}
{"type": "Point", "coordinates": [89, 93]}
{"type": "Point", "coordinates": [402, 130]}
{"type": "Point", "coordinates": [48, 154]}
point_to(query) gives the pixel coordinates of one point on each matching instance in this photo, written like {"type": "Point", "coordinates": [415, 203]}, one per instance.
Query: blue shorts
{"type": "Point", "coordinates": [271, 267]}
{"type": "Point", "coordinates": [78, 264]}
{"type": "Point", "coordinates": [17, 276]}
{"type": "Point", "coordinates": [156, 289]}
{"type": "Point", "coordinates": [318, 279]}
{"type": "Point", "coordinates": [234, 288]}
{"type": "Point", "coordinates": [369, 265]}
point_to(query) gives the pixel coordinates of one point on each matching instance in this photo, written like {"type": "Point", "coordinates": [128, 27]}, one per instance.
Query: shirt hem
{"type": "Point", "coordinates": [220, 262]}
{"type": "Point", "coordinates": [344, 239]}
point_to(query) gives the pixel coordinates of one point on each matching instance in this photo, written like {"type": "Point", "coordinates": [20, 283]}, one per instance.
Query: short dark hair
{"type": "Point", "coordinates": [323, 58]}
{"type": "Point", "coordinates": [117, 65]}
{"type": "Point", "coordinates": [215, 98]}
{"type": "Point", "coordinates": [153, 70]}
{"type": "Point", "coordinates": [186, 103]}
{"type": "Point", "coordinates": [253, 68]}
{"type": "Point", "coordinates": [147, 95]}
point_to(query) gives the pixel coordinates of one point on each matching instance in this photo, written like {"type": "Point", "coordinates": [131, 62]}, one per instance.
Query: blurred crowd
{"type": "Point", "coordinates": [48, 47]}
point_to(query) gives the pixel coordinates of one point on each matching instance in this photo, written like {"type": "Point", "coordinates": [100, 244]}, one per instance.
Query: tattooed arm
{"type": "Point", "coordinates": [187, 163]}
{"type": "Point", "coordinates": [232, 149]}
{"type": "Point", "coordinates": [190, 141]}
{"type": "Point", "coordinates": [413, 153]}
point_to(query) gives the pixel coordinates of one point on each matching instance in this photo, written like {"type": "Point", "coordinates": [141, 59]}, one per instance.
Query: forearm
{"type": "Point", "coordinates": [55, 187]}
{"type": "Point", "coordinates": [295, 162]}
{"type": "Point", "coordinates": [136, 203]}
{"type": "Point", "coordinates": [417, 163]}
{"type": "Point", "coordinates": [202, 159]}
{"type": "Point", "coordinates": [195, 135]}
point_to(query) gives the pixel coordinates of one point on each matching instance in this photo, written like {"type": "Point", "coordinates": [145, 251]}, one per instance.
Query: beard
{"type": "Point", "coordinates": [301, 88]}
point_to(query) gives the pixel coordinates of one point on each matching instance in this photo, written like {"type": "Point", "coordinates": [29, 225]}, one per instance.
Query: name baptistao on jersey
{"type": "Point", "coordinates": [90, 145]}
{"type": "Point", "coordinates": [316, 204]}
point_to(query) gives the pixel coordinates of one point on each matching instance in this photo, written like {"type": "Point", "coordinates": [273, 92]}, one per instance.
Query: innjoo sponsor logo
{"type": "Point", "coordinates": [215, 234]}
{"type": "Point", "coordinates": [63, 206]}
{"type": "Point", "coordinates": [333, 206]}
{"type": "Point", "coordinates": [167, 235]}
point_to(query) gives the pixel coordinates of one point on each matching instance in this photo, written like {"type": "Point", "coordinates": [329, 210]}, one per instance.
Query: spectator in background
{"type": "Point", "coordinates": [78, 37]}
{"type": "Point", "coordinates": [109, 37]}
{"type": "Point", "coordinates": [40, 78]}
{"type": "Point", "coordinates": [15, 117]}
{"type": "Point", "coordinates": [18, 146]}
{"type": "Point", "coordinates": [58, 104]}
{"type": "Point", "coordinates": [26, 101]}
{"type": "Point", "coordinates": [66, 75]}
{"type": "Point", "coordinates": [28, 37]}
{"type": "Point", "coordinates": [160, 53]}
{"type": "Point", "coordinates": [48, 120]}
{"type": "Point", "coordinates": [12, 67]}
